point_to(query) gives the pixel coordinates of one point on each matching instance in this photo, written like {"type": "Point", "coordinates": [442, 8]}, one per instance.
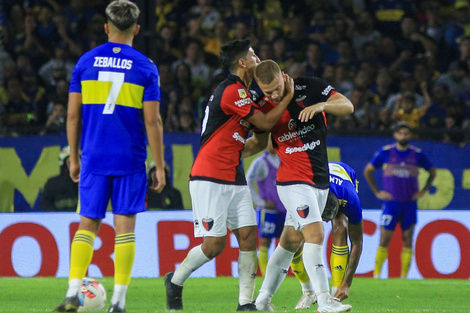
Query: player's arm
{"type": "Point", "coordinates": [369, 176]}
{"type": "Point", "coordinates": [356, 232]}
{"type": "Point", "coordinates": [266, 121]}
{"type": "Point", "coordinates": [74, 118]}
{"type": "Point", "coordinates": [256, 143]}
{"type": "Point", "coordinates": [429, 181]}
{"type": "Point", "coordinates": [154, 128]}
{"type": "Point", "coordinates": [337, 104]}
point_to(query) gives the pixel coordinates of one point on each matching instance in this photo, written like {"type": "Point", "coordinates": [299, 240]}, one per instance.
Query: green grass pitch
{"type": "Point", "coordinates": [213, 295]}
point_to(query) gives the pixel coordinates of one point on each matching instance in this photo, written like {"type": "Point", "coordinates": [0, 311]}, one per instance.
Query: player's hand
{"type": "Point", "coordinates": [418, 195]}
{"type": "Point", "coordinates": [310, 111]}
{"type": "Point", "coordinates": [383, 195]}
{"type": "Point", "coordinates": [74, 171]}
{"type": "Point", "coordinates": [289, 84]}
{"type": "Point", "coordinates": [342, 293]}
{"type": "Point", "coordinates": [269, 205]}
{"type": "Point", "coordinates": [158, 180]}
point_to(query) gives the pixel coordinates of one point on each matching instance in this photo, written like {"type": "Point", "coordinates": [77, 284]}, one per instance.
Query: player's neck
{"type": "Point", "coordinates": [245, 76]}
{"type": "Point", "coordinates": [120, 38]}
{"type": "Point", "coordinates": [401, 148]}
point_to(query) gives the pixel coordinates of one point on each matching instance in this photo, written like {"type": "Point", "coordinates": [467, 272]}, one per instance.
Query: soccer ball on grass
{"type": "Point", "coordinates": [92, 296]}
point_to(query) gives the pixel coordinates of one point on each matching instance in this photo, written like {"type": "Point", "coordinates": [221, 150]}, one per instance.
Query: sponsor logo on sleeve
{"type": "Point", "coordinates": [327, 90]}
{"type": "Point", "coordinates": [242, 93]}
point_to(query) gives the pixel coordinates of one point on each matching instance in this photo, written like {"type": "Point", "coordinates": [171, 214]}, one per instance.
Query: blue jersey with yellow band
{"type": "Point", "coordinates": [344, 184]}
{"type": "Point", "coordinates": [114, 80]}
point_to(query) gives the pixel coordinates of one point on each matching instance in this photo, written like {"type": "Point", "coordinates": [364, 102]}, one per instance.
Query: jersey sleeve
{"type": "Point", "coordinates": [379, 158]}
{"type": "Point", "coordinates": [237, 101]}
{"type": "Point", "coordinates": [152, 88]}
{"type": "Point", "coordinates": [75, 81]}
{"type": "Point", "coordinates": [318, 89]}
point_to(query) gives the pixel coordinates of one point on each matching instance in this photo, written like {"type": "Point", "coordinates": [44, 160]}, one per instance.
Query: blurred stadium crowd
{"type": "Point", "coordinates": [396, 60]}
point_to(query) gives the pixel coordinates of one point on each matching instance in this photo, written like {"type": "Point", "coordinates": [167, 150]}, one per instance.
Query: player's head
{"type": "Point", "coordinates": [270, 80]}
{"type": "Point", "coordinates": [239, 54]}
{"type": "Point", "coordinates": [122, 15]}
{"type": "Point", "coordinates": [331, 207]}
{"type": "Point", "coordinates": [402, 133]}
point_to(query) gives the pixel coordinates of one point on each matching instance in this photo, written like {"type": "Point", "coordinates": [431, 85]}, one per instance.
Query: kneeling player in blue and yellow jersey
{"type": "Point", "coordinates": [114, 100]}
{"type": "Point", "coordinates": [344, 209]}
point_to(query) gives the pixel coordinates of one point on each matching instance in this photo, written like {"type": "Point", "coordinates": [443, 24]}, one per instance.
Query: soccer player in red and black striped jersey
{"type": "Point", "coordinates": [219, 193]}
{"type": "Point", "coordinates": [299, 138]}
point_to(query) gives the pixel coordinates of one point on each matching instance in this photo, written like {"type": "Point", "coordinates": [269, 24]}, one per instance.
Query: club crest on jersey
{"type": "Point", "coordinates": [116, 49]}
{"type": "Point", "coordinates": [291, 124]}
{"type": "Point", "coordinates": [208, 222]}
{"type": "Point", "coordinates": [242, 93]}
{"type": "Point", "coordinates": [303, 211]}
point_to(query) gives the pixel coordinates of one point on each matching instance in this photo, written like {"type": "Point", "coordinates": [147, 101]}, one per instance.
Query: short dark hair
{"type": "Point", "coordinates": [331, 207]}
{"type": "Point", "coordinates": [234, 50]}
{"type": "Point", "coordinates": [401, 125]}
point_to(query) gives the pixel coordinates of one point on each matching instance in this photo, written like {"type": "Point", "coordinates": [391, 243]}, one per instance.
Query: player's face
{"type": "Point", "coordinates": [275, 91]}
{"type": "Point", "coordinates": [251, 60]}
{"type": "Point", "coordinates": [403, 136]}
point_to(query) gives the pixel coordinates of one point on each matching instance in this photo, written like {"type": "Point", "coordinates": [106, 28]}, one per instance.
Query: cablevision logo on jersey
{"type": "Point", "coordinates": [294, 134]}
{"type": "Point", "coordinates": [307, 146]}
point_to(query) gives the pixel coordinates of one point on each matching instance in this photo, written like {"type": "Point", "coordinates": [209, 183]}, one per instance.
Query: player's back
{"type": "Point", "coordinates": [114, 80]}
{"type": "Point", "coordinates": [344, 184]}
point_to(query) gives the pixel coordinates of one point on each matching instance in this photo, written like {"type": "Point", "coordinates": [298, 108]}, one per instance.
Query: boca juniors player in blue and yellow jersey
{"type": "Point", "coordinates": [114, 100]}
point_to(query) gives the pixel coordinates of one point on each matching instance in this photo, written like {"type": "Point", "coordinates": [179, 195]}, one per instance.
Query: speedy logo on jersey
{"type": "Point", "coordinates": [307, 146]}
{"type": "Point", "coordinates": [207, 222]}
{"type": "Point", "coordinates": [237, 137]}
{"type": "Point", "coordinates": [303, 211]}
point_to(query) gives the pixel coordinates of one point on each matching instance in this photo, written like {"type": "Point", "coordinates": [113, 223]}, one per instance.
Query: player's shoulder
{"type": "Point", "coordinates": [388, 147]}
{"type": "Point", "coordinates": [416, 149]}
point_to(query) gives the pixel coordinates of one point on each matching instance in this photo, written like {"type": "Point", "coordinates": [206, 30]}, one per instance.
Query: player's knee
{"type": "Point", "coordinates": [214, 248]}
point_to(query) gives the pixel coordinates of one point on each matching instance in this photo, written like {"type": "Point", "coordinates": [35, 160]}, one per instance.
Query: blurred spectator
{"type": "Point", "coordinates": [296, 70]}
{"type": "Point", "coordinates": [35, 94]}
{"type": "Point", "coordinates": [18, 112]}
{"type": "Point", "coordinates": [60, 59]}
{"type": "Point", "coordinates": [456, 78]}
{"type": "Point", "coordinates": [168, 46]}
{"type": "Point", "coordinates": [169, 198]}
{"type": "Point", "coordinates": [238, 13]}
{"type": "Point", "coordinates": [458, 26]}
{"type": "Point", "coordinates": [206, 16]}
{"type": "Point", "coordinates": [383, 87]}
{"type": "Point", "coordinates": [167, 85]}
{"type": "Point", "coordinates": [47, 31]}
{"type": "Point", "coordinates": [389, 14]}
{"type": "Point", "coordinates": [315, 65]}
{"type": "Point", "coordinates": [239, 31]}
{"type": "Point", "coordinates": [184, 82]}
{"type": "Point", "coordinates": [167, 14]}
{"type": "Point", "coordinates": [180, 116]}
{"type": "Point", "coordinates": [436, 114]}
{"type": "Point", "coordinates": [56, 122]}
{"type": "Point", "coordinates": [364, 32]}
{"type": "Point", "coordinates": [69, 41]}
{"type": "Point", "coordinates": [29, 41]}
{"type": "Point", "coordinates": [79, 16]}
{"type": "Point", "coordinates": [407, 111]}
{"type": "Point", "coordinates": [388, 53]}
{"type": "Point", "coordinates": [407, 85]}
{"type": "Point", "coordinates": [194, 58]}
{"type": "Point", "coordinates": [342, 81]}
{"type": "Point", "coordinates": [60, 193]}
{"type": "Point", "coordinates": [453, 123]}
{"type": "Point", "coordinates": [412, 43]}
{"type": "Point", "coordinates": [265, 51]}
{"type": "Point", "coordinates": [279, 51]}
{"type": "Point", "coordinates": [213, 44]}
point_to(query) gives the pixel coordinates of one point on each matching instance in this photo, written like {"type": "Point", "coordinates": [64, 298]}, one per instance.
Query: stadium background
{"type": "Point", "coordinates": [28, 160]}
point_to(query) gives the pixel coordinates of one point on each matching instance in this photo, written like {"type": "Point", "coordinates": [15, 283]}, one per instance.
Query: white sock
{"type": "Point", "coordinates": [333, 291]}
{"type": "Point", "coordinates": [247, 267]}
{"type": "Point", "coordinates": [74, 287]}
{"type": "Point", "coordinates": [307, 286]}
{"type": "Point", "coordinates": [119, 295]}
{"type": "Point", "coordinates": [276, 271]}
{"type": "Point", "coordinates": [194, 260]}
{"type": "Point", "coordinates": [316, 270]}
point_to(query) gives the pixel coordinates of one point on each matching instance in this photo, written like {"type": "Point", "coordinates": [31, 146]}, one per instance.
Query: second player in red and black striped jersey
{"type": "Point", "coordinates": [223, 134]}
